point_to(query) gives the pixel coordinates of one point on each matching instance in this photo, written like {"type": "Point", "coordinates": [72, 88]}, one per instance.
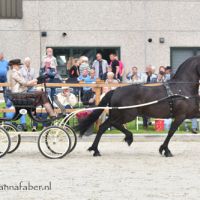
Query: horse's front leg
{"type": "Point", "coordinates": [174, 126]}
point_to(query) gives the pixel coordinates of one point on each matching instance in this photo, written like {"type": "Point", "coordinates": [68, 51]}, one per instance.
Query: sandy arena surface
{"type": "Point", "coordinates": [138, 172]}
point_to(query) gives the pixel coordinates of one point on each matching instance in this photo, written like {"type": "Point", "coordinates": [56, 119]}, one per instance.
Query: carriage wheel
{"type": "Point", "coordinates": [73, 137]}
{"type": "Point", "coordinates": [14, 136]}
{"type": "Point", "coordinates": [4, 142]}
{"type": "Point", "coordinates": [54, 142]}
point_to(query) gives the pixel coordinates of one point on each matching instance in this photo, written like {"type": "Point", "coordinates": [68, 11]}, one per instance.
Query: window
{"type": "Point", "coordinates": [11, 9]}
{"type": "Point", "coordinates": [65, 55]}
{"type": "Point", "coordinates": [180, 54]}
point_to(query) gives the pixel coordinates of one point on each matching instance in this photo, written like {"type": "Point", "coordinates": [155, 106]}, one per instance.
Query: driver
{"type": "Point", "coordinates": [19, 85]}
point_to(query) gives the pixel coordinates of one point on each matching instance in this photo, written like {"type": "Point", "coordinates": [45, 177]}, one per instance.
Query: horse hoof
{"type": "Point", "coordinates": [129, 141]}
{"type": "Point", "coordinates": [161, 149]}
{"type": "Point", "coordinates": [168, 154]}
{"type": "Point", "coordinates": [96, 154]}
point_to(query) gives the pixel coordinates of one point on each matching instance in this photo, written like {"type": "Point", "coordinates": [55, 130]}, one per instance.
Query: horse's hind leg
{"type": "Point", "coordinates": [174, 126]}
{"type": "Point", "coordinates": [103, 127]}
{"type": "Point", "coordinates": [128, 135]}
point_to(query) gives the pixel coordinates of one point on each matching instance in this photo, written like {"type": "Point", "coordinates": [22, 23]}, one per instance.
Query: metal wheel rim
{"type": "Point", "coordinates": [5, 142]}
{"type": "Point", "coordinates": [15, 137]}
{"type": "Point", "coordinates": [51, 137]}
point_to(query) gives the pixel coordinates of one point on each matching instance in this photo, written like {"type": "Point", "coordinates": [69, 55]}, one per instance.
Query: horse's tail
{"type": "Point", "coordinates": [93, 117]}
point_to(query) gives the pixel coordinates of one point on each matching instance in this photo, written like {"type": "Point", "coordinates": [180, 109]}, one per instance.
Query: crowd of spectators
{"type": "Point", "coordinates": [112, 71]}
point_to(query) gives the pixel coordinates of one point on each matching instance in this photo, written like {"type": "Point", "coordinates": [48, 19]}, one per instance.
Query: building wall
{"type": "Point", "coordinates": [127, 24]}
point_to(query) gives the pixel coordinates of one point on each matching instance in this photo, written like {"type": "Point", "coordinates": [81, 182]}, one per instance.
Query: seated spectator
{"type": "Point", "coordinates": [168, 73]}
{"type": "Point", "coordinates": [161, 75]}
{"type": "Point", "coordinates": [84, 64]}
{"type": "Point", "coordinates": [91, 78]}
{"type": "Point", "coordinates": [110, 79]}
{"type": "Point", "coordinates": [66, 98]}
{"type": "Point", "coordinates": [88, 93]}
{"type": "Point", "coordinates": [149, 76]}
{"type": "Point", "coordinates": [83, 76]}
{"type": "Point", "coordinates": [108, 69]}
{"type": "Point", "coordinates": [134, 76]}
{"type": "Point", "coordinates": [100, 66]}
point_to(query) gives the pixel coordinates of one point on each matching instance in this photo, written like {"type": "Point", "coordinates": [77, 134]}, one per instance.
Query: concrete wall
{"type": "Point", "coordinates": [127, 24]}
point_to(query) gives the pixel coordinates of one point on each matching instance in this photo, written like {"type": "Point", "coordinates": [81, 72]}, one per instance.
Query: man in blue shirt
{"type": "Point", "coordinates": [87, 91]}
{"type": "Point", "coordinates": [3, 73]}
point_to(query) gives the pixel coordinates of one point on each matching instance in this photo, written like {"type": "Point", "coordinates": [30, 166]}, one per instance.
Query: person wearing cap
{"type": "Point", "coordinates": [66, 98]}
{"type": "Point", "coordinates": [19, 85]}
{"type": "Point", "coordinates": [3, 73]}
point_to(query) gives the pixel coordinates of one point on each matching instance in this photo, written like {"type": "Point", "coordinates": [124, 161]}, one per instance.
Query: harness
{"type": "Point", "coordinates": [170, 96]}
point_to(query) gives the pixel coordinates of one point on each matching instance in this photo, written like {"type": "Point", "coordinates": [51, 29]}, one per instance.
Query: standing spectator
{"type": "Point", "coordinates": [50, 73]}
{"type": "Point", "coordinates": [121, 68]}
{"type": "Point", "coordinates": [115, 65]}
{"type": "Point", "coordinates": [27, 71]}
{"type": "Point", "coordinates": [84, 64]}
{"type": "Point", "coordinates": [194, 126]}
{"type": "Point", "coordinates": [74, 70]}
{"type": "Point", "coordinates": [54, 77]}
{"type": "Point", "coordinates": [74, 74]}
{"type": "Point", "coordinates": [100, 66]}
{"type": "Point", "coordinates": [49, 54]}
{"type": "Point", "coordinates": [3, 73]}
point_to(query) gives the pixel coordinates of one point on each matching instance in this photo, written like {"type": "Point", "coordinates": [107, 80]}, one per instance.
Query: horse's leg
{"type": "Point", "coordinates": [128, 135]}
{"type": "Point", "coordinates": [175, 124]}
{"type": "Point", "coordinates": [103, 127]}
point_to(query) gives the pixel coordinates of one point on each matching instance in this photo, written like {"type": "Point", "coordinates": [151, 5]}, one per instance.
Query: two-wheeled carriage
{"type": "Point", "coordinates": [55, 141]}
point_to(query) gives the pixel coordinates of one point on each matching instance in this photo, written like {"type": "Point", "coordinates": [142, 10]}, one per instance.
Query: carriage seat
{"type": "Point", "coordinates": [20, 100]}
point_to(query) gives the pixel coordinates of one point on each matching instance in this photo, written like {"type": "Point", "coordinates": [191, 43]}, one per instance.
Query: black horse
{"type": "Point", "coordinates": [185, 83]}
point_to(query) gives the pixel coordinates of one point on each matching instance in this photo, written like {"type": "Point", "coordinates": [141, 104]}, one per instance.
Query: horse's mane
{"type": "Point", "coordinates": [182, 67]}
